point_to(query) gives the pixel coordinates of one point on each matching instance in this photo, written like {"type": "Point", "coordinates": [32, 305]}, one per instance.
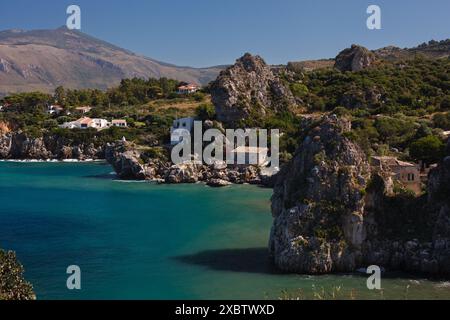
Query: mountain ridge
{"type": "Point", "coordinates": [41, 60]}
{"type": "Point", "coordinates": [44, 59]}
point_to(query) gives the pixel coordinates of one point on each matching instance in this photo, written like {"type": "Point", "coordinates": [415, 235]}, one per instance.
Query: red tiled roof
{"type": "Point", "coordinates": [85, 120]}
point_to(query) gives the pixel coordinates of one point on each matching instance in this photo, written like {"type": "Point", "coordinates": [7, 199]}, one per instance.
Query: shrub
{"type": "Point", "coordinates": [12, 284]}
{"type": "Point", "coordinates": [206, 112]}
{"type": "Point", "coordinates": [429, 149]}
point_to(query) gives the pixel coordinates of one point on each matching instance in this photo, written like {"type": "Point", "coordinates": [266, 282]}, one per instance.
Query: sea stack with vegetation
{"type": "Point", "coordinates": [334, 212]}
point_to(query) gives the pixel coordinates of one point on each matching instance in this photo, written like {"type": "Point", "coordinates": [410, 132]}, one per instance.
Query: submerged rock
{"type": "Point", "coordinates": [217, 183]}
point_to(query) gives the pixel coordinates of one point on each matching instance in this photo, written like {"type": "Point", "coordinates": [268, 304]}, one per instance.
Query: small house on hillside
{"type": "Point", "coordinates": [188, 89]}
{"type": "Point", "coordinates": [405, 172]}
{"type": "Point", "coordinates": [84, 109]}
{"type": "Point", "coordinates": [82, 123]}
{"type": "Point", "coordinates": [100, 123]}
{"type": "Point", "coordinates": [85, 123]}
{"type": "Point", "coordinates": [119, 123]}
{"type": "Point", "coordinates": [55, 109]}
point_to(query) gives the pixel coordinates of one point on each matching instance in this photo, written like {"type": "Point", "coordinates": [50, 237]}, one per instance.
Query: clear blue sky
{"type": "Point", "coordinates": [211, 32]}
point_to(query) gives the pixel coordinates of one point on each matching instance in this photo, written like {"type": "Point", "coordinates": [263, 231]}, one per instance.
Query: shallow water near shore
{"type": "Point", "coordinates": [147, 241]}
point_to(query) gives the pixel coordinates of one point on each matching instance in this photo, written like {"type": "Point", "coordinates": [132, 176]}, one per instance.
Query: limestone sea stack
{"type": "Point", "coordinates": [333, 212]}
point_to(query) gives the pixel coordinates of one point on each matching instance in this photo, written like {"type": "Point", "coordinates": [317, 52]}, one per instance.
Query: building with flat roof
{"type": "Point", "coordinates": [251, 155]}
{"type": "Point", "coordinates": [119, 123]}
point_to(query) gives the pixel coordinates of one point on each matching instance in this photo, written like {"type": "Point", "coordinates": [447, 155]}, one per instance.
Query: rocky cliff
{"type": "Point", "coordinates": [355, 58]}
{"type": "Point", "coordinates": [334, 213]}
{"type": "Point", "coordinates": [18, 145]}
{"type": "Point", "coordinates": [439, 197]}
{"type": "Point", "coordinates": [249, 88]}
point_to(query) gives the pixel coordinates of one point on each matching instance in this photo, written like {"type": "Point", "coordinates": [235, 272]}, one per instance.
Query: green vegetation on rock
{"type": "Point", "coordinates": [12, 284]}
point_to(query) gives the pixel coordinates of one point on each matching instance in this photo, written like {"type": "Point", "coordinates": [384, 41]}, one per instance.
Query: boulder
{"type": "Point", "coordinates": [217, 183]}
{"type": "Point", "coordinates": [247, 89]}
{"type": "Point", "coordinates": [125, 161]}
{"type": "Point", "coordinates": [355, 58]}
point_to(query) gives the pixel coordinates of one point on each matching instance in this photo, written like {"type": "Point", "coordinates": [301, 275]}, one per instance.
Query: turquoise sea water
{"type": "Point", "coordinates": [143, 241]}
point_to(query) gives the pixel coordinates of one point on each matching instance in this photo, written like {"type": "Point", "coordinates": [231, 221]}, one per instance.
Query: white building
{"type": "Point", "coordinates": [179, 128]}
{"type": "Point", "coordinates": [251, 155]}
{"type": "Point", "coordinates": [100, 124]}
{"type": "Point", "coordinates": [85, 123]}
{"type": "Point", "coordinates": [54, 109]}
{"type": "Point", "coordinates": [70, 125]}
{"type": "Point", "coordinates": [119, 123]}
{"type": "Point", "coordinates": [187, 89]}
{"type": "Point", "coordinates": [84, 109]}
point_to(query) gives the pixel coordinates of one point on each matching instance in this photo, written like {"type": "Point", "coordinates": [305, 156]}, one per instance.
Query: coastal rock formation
{"type": "Point", "coordinates": [318, 203]}
{"type": "Point", "coordinates": [12, 284]}
{"type": "Point", "coordinates": [334, 213]}
{"type": "Point", "coordinates": [20, 146]}
{"type": "Point", "coordinates": [439, 197]}
{"type": "Point", "coordinates": [130, 164]}
{"type": "Point", "coordinates": [218, 183]}
{"type": "Point", "coordinates": [247, 88]}
{"type": "Point", "coordinates": [355, 58]}
{"type": "Point", "coordinates": [125, 162]}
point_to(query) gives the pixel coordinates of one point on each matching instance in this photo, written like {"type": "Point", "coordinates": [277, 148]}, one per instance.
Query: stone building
{"type": "Point", "coordinates": [406, 173]}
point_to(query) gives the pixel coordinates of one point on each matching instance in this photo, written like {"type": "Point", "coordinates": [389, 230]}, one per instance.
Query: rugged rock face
{"type": "Point", "coordinates": [318, 203]}
{"type": "Point", "coordinates": [248, 87]}
{"type": "Point", "coordinates": [355, 58]}
{"type": "Point", "coordinates": [19, 146]}
{"type": "Point", "coordinates": [334, 213]}
{"type": "Point", "coordinates": [125, 162]}
{"type": "Point", "coordinates": [439, 197]}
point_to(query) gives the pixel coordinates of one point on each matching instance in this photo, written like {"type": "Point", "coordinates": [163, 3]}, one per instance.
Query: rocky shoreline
{"type": "Point", "coordinates": [126, 161]}
{"type": "Point", "coordinates": [20, 146]}
{"type": "Point", "coordinates": [129, 165]}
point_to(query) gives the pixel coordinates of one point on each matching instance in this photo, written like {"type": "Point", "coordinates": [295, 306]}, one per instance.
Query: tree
{"type": "Point", "coordinates": [442, 120]}
{"type": "Point", "coordinates": [429, 149]}
{"type": "Point", "coordinates": [205, 111]}
{"type": "Point", "coordinates": [60, 95]}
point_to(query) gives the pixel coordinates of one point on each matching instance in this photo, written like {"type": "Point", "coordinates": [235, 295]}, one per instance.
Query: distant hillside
{"type": "Point", "coordinates": [433, 50]}
{"type": "Point", "coordinates": [45, 59]}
